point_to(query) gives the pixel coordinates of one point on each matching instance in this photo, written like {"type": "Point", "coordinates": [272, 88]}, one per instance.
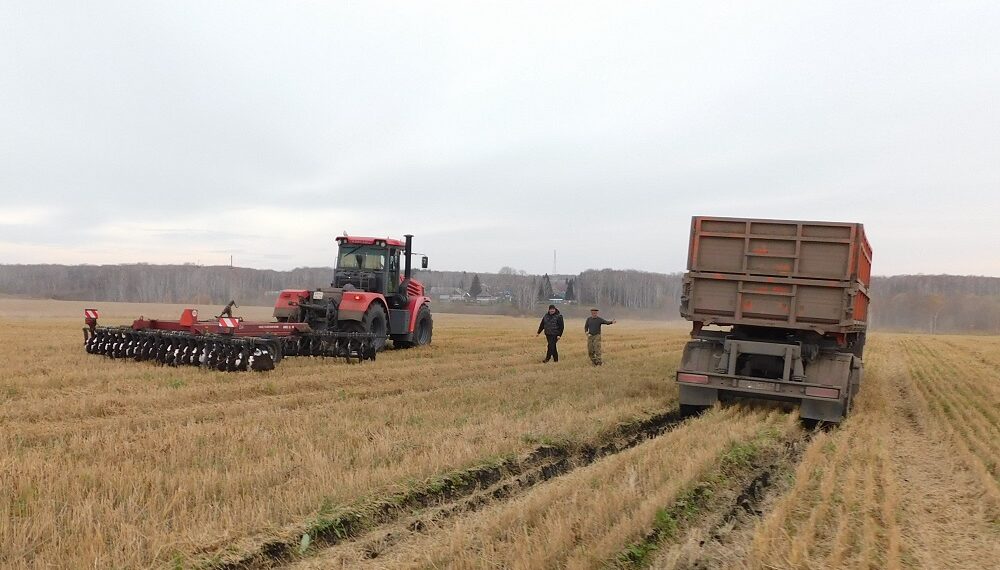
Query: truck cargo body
{"type": "Point", "coordinates": [794, 295]}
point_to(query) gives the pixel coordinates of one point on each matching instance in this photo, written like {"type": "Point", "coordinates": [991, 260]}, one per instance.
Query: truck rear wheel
{"type": "Point", "coordinates": [858, 347]}
{"type": "Point", "coordinates": [854, 386]}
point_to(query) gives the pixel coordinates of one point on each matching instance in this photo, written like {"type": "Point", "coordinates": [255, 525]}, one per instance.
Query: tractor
{"type": "Point", "coordinates": [368, 303]}
{"type": "Point", "coordinates": [372, 291]}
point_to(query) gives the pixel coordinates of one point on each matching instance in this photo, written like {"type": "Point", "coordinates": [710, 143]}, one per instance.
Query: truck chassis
{"type": "Point", "coordinates": [724, 364]}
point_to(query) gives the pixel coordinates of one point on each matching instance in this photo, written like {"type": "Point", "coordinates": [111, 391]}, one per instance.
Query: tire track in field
{"type": "Point", "coordinates": [732, 483]}
{"type": "Point", "coordinates": [712, 539]}
{"type": "Point", "coordinates": [378, 527]}
{"type": "Point", "coordinates": [456, 493]}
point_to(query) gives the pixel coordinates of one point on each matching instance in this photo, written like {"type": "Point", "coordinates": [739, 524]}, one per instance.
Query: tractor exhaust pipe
{"type": "Point", "coordinates": [409, 253]}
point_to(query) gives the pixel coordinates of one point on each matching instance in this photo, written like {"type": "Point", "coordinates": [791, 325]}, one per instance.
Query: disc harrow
{"type": "Point", "coordinates": [217, 352]}
{"type": "Point", "coordinates": [231, 345]}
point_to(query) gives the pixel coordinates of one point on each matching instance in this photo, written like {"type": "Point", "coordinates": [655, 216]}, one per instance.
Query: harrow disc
{"type": "Point", "coordinates": [349, 345]}
{"type": "Point", "coordinates": [169, 348]}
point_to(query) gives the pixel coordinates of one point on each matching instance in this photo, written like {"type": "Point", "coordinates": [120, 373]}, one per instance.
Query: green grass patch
{"type": "Point", "coordinates": [541, 439]}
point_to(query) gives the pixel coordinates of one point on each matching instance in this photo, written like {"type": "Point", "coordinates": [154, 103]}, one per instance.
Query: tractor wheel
{"type": "Point", "coordinates": [423, 330]}
{"type": "Point", "coordinates": [376, 322]}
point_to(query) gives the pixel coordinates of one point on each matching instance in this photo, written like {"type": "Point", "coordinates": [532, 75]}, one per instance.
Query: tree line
{"type": "Point", "coordinates": [928, 303]}
{"type": "Point", "coordinates": [156, 283]}
{"type": "Point", "coordinates": [936, 303]}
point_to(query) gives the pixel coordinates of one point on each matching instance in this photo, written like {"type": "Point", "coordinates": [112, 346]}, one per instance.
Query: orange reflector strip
{"type": "Point", "coordinates": [692, 378]}
{"type": "Point", "coordinates": [823, 392]}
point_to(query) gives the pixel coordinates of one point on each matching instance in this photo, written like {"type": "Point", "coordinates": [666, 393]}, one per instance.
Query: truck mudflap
{"type": "Point", "coordinates": [832, 412]}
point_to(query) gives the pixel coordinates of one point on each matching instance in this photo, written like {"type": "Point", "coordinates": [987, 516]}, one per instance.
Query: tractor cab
{"type": "Point", "coordinates": [369, 264]}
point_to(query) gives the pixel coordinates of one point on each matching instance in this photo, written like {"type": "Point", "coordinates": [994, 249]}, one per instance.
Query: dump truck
{"type": "Point", "coordinates": [779, 311]}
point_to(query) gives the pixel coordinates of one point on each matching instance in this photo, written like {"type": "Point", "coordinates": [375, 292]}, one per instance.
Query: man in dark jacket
{"type": "Point", "coordinates": [552, 326]}
{"type": "Point", "coordinates": [593, 329]}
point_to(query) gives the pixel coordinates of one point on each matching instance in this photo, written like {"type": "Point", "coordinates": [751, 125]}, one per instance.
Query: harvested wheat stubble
{"type": "Point", "coordinates": [131, 465]}
{"type": "Point", "coordinates": [886, 490]}
{"type": "Point", "coordinates": [958, 386]}
{"type": "Point", "coordinates": [123, 464]}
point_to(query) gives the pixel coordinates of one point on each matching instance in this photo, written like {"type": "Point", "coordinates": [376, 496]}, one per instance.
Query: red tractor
{"type": "Point", "coordinates": [372, 300]}
{"type": "Point", "coordinates": [371, 292]}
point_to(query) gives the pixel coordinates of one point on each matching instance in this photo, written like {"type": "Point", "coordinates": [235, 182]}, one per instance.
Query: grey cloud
{"type": "Point", "coordinates": [502, 131]}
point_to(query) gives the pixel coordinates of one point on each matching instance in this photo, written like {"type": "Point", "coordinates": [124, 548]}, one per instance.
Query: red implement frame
{"type": "Point", "coordinates": [189, 323]}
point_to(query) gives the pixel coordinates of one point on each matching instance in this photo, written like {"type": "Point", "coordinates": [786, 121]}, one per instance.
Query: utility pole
{"type": "Point", "coordinates": [554, 262]}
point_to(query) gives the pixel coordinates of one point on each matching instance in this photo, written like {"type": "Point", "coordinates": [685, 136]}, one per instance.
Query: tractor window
{"type": "Point", "coordinates": [362, 257]}
{"type": "Point", "coordinates": [393, 283]}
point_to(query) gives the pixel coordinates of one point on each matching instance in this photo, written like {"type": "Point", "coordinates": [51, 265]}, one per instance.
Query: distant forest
{"type": "Point", "coordinates": [931, 303]}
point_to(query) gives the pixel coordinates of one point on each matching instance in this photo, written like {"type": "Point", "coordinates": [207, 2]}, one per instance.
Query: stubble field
{"type": "Point", "coordinates": [470, 453]}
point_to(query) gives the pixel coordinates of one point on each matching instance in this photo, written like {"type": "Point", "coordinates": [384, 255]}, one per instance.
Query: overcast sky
{"type": "Point", "coordinates": [496, 132]}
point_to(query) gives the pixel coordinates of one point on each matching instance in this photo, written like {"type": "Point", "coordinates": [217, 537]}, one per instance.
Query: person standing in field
{"type": "Point", "coordinates": [593, 329]}
{"type": "Point", "coordinates": [552, 326]}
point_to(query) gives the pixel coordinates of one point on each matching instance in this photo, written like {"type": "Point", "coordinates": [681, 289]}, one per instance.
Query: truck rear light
{"type": "Point", "coordinates": [823, 392]}
{"type": "Point", "coordinates": [692, 378]}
